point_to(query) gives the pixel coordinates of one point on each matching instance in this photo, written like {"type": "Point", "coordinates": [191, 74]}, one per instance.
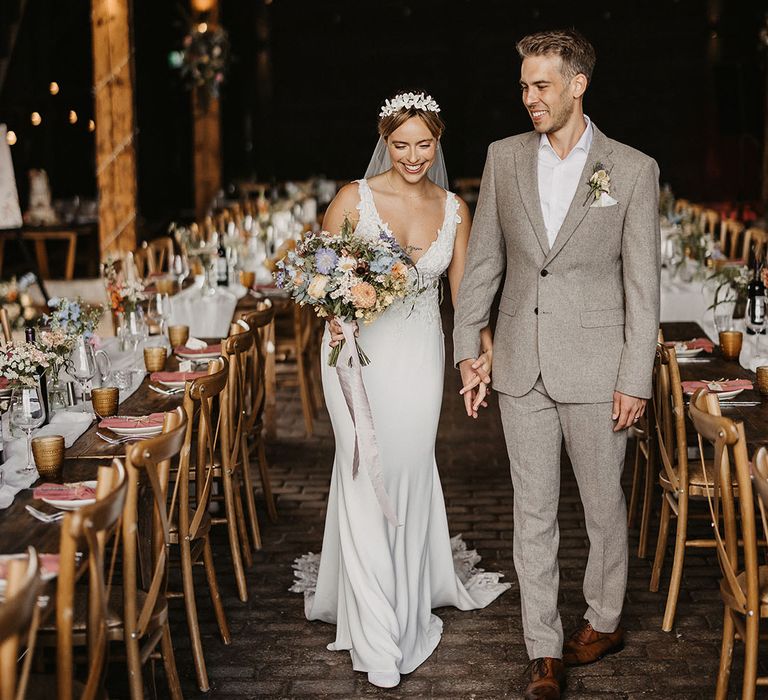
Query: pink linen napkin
{"type": "Point", "coordinates": [49, 564]}
{"type": "Point", "coordinates": [694, 344]}
{"type": "Point", "coordinates": [176, 376]}
{"type": "Point", "coordinates": [64, 492]}
{"type": "Point", "coordinates": [726, 385]}
{"type": "Point", "coordinates": [198, 351]}
{"type": "Point", "coordinates": [152, 419]}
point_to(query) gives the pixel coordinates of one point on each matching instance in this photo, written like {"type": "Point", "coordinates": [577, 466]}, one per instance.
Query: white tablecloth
{"type": "Point", "coordinates": [206, 316]}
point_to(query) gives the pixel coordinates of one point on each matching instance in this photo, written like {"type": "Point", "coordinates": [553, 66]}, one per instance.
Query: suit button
{"type": "Point", "coordinates": [536, 311]}
{"type": "Point", "coordinates": [544, 273]}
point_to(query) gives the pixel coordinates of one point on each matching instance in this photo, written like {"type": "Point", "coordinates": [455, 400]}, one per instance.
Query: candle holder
{"type": "Point", "coordinates": [154, 358]}
{"type": "Point", "coordinates": [48, 451]}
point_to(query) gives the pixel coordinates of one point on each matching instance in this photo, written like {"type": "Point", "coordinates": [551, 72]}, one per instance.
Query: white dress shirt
{"type": "Point", "coordinates": [559, 179]}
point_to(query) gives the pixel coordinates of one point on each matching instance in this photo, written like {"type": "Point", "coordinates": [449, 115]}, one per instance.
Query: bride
{"type": "Point", "coordinates": [378, 583]}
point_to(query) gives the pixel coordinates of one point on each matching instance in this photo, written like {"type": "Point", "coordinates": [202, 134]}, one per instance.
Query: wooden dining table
{"type": "Point", "coordinates": [19, 530]}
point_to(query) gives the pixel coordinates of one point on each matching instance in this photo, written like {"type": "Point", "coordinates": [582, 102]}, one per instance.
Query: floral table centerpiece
{"type": "Point", "coordinates": [125, 297]}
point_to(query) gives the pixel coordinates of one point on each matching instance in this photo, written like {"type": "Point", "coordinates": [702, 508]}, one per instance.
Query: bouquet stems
{"type": "Point", "coordinates": [333, 357]}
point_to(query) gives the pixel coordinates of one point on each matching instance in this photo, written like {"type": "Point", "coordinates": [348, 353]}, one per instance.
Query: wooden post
{"type": "Point", "coordinates": [114, 112]}
{"type": "Point", "coordinates": [206, 131]}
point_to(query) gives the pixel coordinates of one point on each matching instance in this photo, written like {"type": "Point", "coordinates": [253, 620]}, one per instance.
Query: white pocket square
{"type": "Point", "coordinates": [605, 200]}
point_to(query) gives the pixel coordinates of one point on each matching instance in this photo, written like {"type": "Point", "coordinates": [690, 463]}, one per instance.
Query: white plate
{"type": "Point", "coordinates": [72, 505]}
{"type": "Point", "coordinates": [725, 395]}
{"type": "Point", "coordinates": [199, 355]}
{"type": "Point", "coordinates": [688, 352]}
{"type": "Point", "coordinates": [138, 430]}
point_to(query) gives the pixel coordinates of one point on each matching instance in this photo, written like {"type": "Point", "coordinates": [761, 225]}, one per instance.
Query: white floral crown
{"type": "Point", "coordinates": [408, 100]}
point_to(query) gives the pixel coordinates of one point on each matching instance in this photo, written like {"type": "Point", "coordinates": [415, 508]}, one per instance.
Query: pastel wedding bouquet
{"type": "Point", "coordinates": [346, 276]}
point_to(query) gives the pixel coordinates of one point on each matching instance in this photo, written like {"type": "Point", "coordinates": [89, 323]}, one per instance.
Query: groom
{"type": "Point", "coordinates": [568, 220]}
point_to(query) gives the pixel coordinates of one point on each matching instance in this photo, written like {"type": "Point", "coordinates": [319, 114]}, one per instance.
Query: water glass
{"type": "Point", "coordinates": [755, 318]}
{"type": "Point", "coordinates": [723, 314]}
{"type": "Point", "coordinates": [81, 366]}
{"type": "Point", "coordinates": [159, 311]}
{"type": "Point", "coordinates": [27, 413]}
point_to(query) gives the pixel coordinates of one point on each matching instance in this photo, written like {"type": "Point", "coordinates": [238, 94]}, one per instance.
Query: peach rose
{"type": "Point", "coordinates": [317, 286]}
{"type": "Point", "coordinates": [400, 269]}
{"type": "Point", "coordinates": [363, 295]}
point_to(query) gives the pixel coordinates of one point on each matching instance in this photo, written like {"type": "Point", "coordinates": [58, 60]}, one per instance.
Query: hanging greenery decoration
{"type": "Point", "coordinates": [203, 59]}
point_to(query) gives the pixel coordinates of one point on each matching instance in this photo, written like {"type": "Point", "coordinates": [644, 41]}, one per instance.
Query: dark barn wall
{"type": "Point", "coordinates": [308, 78]}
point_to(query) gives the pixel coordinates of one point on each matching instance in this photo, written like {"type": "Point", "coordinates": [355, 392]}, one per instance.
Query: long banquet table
{"type": "Point", "coordinates": [19, 530]}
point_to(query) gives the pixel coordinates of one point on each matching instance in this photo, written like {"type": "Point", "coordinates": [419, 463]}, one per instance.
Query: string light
{"type": "Point", "coordinates": [72, 116]}
{"type": "Point", "coordinates": [36, 119]}
{"type": "Point", "coordinates": [54, 88]}
{"type": "Point", "coordinates": [202, 27]}
{"type": "Point", "coordinates": [10, 137]}
{"type": "Point", "coordinates": [91, 125]}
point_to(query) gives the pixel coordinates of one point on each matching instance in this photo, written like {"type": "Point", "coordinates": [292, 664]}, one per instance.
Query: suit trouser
{"type": "Point", "coordinates": [534, 427]}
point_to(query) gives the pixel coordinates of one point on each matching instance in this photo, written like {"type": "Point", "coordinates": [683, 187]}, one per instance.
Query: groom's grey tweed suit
{"type": "Point", "coordinates": [576, 322]}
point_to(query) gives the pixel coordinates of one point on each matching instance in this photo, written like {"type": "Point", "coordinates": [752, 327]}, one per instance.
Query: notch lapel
{"type": "Point", "coordinates": [582, 200]}
{"type": "Point", "coordinates": [527, 166]}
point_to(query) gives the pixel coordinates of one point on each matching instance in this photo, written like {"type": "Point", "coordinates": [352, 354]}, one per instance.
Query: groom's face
{"type": "Point", "coordinates": [548, 98]}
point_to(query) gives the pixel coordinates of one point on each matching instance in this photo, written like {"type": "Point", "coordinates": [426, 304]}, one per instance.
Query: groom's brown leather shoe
{"type": "Point", "coordinates": [586, 645]}
{"type": "Point", "coordinates": [547, 678]}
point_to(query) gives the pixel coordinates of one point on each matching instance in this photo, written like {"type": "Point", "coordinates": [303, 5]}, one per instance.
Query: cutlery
{"type": "Point", "coordinates": [691, 360]}
{"type": "Point", "coordinates": [43, 517]}
{"type": "Point", "coordinates": [166, 392]}
{"type": "Point", "coordinates": [119, 440]}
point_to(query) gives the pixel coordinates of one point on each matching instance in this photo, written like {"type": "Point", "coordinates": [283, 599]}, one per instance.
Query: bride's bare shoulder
{"type": "Point", "coordinates": [343, 206]}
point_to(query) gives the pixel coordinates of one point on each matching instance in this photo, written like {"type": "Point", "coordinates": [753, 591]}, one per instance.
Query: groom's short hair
{"type": "Point", "coordinates": [576, 53]}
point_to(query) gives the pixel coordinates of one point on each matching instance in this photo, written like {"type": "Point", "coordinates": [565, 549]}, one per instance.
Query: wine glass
{"type": "Point", "coordinates": [159, 311]}
{"type": "Point", "coordinates": [755, 318]}
{"type": "Point", "coordinates": [180, 269]}
{"type": "Point", "coordinates": [81, 365]}
{"type": "Point", "coordinates": [27, 413]}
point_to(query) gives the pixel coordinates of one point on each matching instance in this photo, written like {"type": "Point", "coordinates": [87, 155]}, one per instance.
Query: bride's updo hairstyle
{"type": "Point", "coordinates": [399, 109]}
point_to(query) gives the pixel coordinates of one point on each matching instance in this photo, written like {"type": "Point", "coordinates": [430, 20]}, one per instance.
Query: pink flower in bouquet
{"type": "Point", "coordinates": [363, 295]}
{"type": "Point", "coordinates": [400, 270]}
{"type": "Point", "coordinates": [317, 286]}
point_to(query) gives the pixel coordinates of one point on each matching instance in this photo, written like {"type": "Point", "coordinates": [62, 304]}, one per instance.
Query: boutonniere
{"type": "Point", "coordinates": [599, 183]}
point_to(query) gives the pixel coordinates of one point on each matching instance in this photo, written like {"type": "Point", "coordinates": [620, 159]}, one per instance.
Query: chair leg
{"type": "Point", "coordinates": [169, 661]}
{"type": "Point", "coordinates": [726, 657]}
{"type": "Point", "coordinates": [190, 604]}
{"type": "Point", "coordinates": [304, 392]}
{"type": "Point", "coordinates": [632, 509]}
{"type": "Point", "coordinates": [234, 544]}
{"type": "Point", "coordinates": [133, 661]}
{"type": "Point", "coordinates": [751, 641]}
{"type": "Point", "coordinates": [213, 588]}
{"type": "Point", "coordinates": [266, 481]}
{"type": "Point", "coordinates": [661, 544]}
{"type": "Point", "coordinates": [677, 563]}
{"type": "Point", "coordinates": [245, 543]}
{"type": "Point", "coordinates": [250, 502]}
{"type": "Point", "coordinates": [645, 520]}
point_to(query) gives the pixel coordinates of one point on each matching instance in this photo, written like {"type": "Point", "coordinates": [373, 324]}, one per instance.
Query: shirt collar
{"type": "Point", "coordinates": [583, 144]}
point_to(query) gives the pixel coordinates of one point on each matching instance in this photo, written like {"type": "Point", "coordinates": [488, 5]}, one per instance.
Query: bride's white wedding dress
{"type": "Point", "coordinates": [376, 582]}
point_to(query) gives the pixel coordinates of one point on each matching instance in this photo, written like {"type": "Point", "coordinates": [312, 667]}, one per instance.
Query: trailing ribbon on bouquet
{"type": "Point", "coordinates": [350, 374]}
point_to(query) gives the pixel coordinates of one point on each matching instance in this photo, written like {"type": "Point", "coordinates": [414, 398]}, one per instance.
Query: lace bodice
{"type": "Point", "coordinates": [429, 267]}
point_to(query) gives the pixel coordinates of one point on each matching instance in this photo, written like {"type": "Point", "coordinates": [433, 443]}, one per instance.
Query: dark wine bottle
{"type": "Point", "coordinates": [756, 301]}
{"type": "Point", "coordinates": [29, 335]}
{"type": "Point", "coordinates": [222, 269]}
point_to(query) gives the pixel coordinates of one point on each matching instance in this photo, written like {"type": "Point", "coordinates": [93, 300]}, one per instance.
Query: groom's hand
{"type": "Point", "coordinates": [475, 382]}
{"type": "Point", "coordinates": [627, 410]}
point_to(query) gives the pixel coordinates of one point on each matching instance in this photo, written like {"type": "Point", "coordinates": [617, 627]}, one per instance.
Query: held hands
{"type": "Point", "coordinates": [337, 336]}
{"type": "Point", "coordinates": [627, 410]}
{"type": "Point", "coordinates": [476, 382]}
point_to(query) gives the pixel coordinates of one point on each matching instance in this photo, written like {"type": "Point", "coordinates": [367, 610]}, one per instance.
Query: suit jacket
{"type": "Point", "coordinates": [584, 314]}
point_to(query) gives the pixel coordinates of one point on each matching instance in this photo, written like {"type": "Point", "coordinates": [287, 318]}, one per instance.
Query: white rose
{"type": "Point", "coordinates": [317, 286]}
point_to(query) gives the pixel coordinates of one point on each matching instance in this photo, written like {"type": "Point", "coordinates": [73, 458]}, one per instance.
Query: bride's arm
{"type": "Point", "coordinates": [343, 206]}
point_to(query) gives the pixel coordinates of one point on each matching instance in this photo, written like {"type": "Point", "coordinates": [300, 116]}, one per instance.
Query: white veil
{"type": "Point", "coordinates": [381, 162]}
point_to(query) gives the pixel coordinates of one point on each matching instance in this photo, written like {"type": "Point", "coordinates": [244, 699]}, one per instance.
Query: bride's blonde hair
{"type": "Point", "coordinates": [389, 123]}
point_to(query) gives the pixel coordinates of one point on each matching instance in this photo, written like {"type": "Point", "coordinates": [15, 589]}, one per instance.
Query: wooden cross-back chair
{"type": "Point", "coordinates": [643, 477]}
{"type": "Point", "coordinates": [19, 615]}
{"type": "Point", "coordinates": [680, 481]}
{"type": "Point", "coordinates": [190, 528]}
{"type": "Point", "coordinates": [145, 617]}
{"type": "Point", "coordinates": [710, 221]}
{"type": "Point", "coordinates": [744, 587]}
{"type": "Point", "coordinates": [235, 348]}
{"type": "Point", "coordinates": [158, 254]}
{"type": "Point", "coordinates": [5, 326]}
{"type": "Point", "coordinates": [297, 356]}
{"type": "Point", "coordinates": [753, 246]}
{"type": "Point", "coordinates": [87, 616]}
{"type": "Point", "coordinates": [731, 242]}
{"type": "Point", "coordinates": [261, 323]}
{"type": "Point", "coordinates": [682, 206]}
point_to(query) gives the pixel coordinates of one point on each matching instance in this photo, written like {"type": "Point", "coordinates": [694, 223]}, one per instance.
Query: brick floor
{"type": "Point", "coordinates": [276, 653]}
